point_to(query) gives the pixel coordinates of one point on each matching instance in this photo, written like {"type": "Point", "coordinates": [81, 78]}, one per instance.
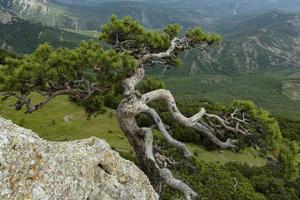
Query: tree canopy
{"type": "Point", "coordinates": [90, 71]}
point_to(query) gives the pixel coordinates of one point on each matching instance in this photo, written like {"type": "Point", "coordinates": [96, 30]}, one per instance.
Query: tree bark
{"type": "Point", "coordinates": [141, 138]}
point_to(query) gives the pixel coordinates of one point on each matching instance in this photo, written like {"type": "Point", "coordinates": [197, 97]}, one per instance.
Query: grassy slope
{"type": "Point", "coordinates": [49, 123]}
{"type": "Point", "coordinates": [249, 156]}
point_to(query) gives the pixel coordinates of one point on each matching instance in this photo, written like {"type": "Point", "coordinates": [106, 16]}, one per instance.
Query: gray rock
{"type": "Point", "coordinates": [32, 168]}
{"type": "Point", "coordinates": [6, 17]}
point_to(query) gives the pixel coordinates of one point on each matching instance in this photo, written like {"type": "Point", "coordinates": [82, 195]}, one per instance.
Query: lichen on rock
{"type": "Point", "coordinates": [33, 168]}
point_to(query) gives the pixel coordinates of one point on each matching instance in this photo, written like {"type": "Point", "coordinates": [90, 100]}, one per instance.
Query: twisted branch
{"type": "Point", "coordinates": [195, 121]}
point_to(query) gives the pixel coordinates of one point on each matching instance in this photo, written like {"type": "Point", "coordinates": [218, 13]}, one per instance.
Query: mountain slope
{"type": "Point", "coordinates": [90, 14]}
{"type": "Point", "coordinates": [44, 11]}
{"type": "Point", "coordinates": [264, 43]}
{"type": "Point", "coordinates": [21, 36]}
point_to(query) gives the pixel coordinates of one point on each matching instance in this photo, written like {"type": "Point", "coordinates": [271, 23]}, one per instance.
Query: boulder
{"type": "Point", "coordinates": [33, 168]}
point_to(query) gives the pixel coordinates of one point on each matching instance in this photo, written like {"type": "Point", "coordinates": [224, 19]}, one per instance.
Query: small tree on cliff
{"type": "Point", "coordinates": [89, 72]}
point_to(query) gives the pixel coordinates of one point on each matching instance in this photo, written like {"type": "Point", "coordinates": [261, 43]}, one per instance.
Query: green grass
{"type": "Point", "coordinates": [248, 156]}
{"type": "Point", "coordinates": [50, 124]}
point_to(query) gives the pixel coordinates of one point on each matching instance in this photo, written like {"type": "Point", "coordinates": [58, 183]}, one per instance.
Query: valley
{"type": "Point", "coordinates": [273, 91]}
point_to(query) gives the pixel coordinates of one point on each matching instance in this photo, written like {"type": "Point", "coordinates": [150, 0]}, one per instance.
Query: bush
{"type": "Point", "coordinates": [273, 188]}
{"type": "Point", "coordinates": [290, 128]}
{"type": "Point", "coordinates": [1, 105]}
{"type": "Point", "coordinates": [213, 181]}
{"type": "Point", "coordinates": [112, 101]}
{"type": "Point", "coordinates": [290, 159]}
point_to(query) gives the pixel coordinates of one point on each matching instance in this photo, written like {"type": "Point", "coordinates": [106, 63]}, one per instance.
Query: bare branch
{"type": "Point", "coordinates": [176, 44]}
{"type": "Point", "coordinates": [165, 133]}
{"type": "Point", "coordinates": [31, 108]}
{"type": "Point", "coordinates": [54, 91]}
{"type": "Point", "coordinates": [192, 122]}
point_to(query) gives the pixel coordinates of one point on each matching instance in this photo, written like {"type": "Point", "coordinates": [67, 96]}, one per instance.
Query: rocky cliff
{"type": "Point", "coordinates": [32, 168]}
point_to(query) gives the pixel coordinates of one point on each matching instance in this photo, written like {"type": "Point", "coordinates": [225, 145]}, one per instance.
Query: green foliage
{"type": "Point", "coordinates": [112, 101]}
{"type": "Point", "coordinates": [213, 181]}
{"type": "Point", "coordinates": [272, 131]}
{"type": "Point", "coordinates": [273, 188]}
{"type": "Point", "coordinates": [198, 36]}
{"type": "Point", "coordinates": [151, 84]}
{"type": "Point", "coordinates": [77, 72]}
{"type": "Point", "coordinates": [269, 180]}
{"type": "Point", "coordinates": [290, 159]}
{"type": "Point", "coordinates": [287, 150]}
{"type": "Point", "coordinates": [95, 103]}
{"type": "Point", "coordinates": [4, 55]}
{"type": "Point", "coordinates": [232, 181]}
{"type": "Point", "coordinates": [49, 70]}
{"type": "Point", "coordinates": [133, 35]}
{"type": "Point", "coordinates": [220, 183]}
{"type": "Point", "coordinates": [290, 128]}
{"type": "Point", "coordinates": [172, 30]}
{"type": "Point", "coordinates": [1, 105]}
{"type": "Point", "coordinates": [130, 35]}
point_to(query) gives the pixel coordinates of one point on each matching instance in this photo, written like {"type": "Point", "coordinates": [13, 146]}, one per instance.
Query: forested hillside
{"type": "Point", "coordinates": [21, 36]}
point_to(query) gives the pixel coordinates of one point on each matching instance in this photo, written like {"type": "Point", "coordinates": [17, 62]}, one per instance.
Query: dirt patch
{"type": "Point", "coordinates": [292, 90]}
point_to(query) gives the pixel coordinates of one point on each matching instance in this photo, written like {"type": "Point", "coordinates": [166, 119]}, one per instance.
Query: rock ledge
{"type": "Point", "coordinates": [32, 168]}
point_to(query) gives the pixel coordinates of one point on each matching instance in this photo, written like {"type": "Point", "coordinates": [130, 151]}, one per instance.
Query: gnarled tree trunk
{"type": "Point", "coordinates": [141, 138]}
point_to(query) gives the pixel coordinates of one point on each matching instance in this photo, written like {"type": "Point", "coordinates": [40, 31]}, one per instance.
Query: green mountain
{"type": "Point", "coordinates": [264, 43]}
{"type": "Point", "coordinates": [21, 36]}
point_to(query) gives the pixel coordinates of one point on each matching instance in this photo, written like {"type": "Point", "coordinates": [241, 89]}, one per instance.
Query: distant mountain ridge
{"type": "Point", "coordinates": [6, 17]}
{"type": "Point", "coordinates": [264, 43]}
{"type": "Point", "coordinates": [26, 7]}
{"type": "Point", "coordinates": [252, 41]}
{"type": "Point", "coordinates": [84, 14]}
